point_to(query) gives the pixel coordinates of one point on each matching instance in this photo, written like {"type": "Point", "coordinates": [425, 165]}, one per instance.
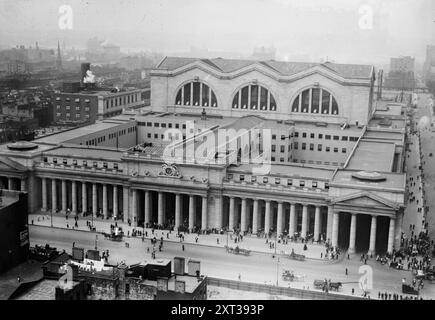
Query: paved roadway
{"type": "Point", "coordinates": [259, 267]}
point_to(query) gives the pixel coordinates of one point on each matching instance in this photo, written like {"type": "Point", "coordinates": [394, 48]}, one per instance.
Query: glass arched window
{"type": "Point", "coordinates": [315, 101]}
{"type": "Point", "coordinates": [254, 97]}
{"type": "Point", "coordinates": [196, 94]}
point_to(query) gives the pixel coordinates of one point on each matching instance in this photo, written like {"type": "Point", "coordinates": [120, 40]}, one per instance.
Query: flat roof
{"type": "Point", "coordinates": [373, 156]}
{"type": "Point", "coordinates": [90, 152]}
{"type": "Point", "coordinates": [65, 136]}
{"type": "Point", "coordinates": [393, 180]}
{"type": "Point", "coordinates": [287, 170]}
{"type": "Point", "coordinates": [384, 135]}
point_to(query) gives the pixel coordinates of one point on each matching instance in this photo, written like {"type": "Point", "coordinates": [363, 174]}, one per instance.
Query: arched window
{"type": "Point", "coordinates": [254, 97]}
{"type": "Point", "coordinates": [315, 101]}
{"type": "Point", "coordinates": [196, 94]}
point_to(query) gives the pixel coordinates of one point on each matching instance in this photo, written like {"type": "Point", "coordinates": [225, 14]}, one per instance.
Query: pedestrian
{"type": "Point", "coordinates": [346, 271]}
{"type": "Point", "coordinates": [182, 246]}
{"type": "Point", "coordinates": [240, 277]}
{"type": "Point", "coordinates": [353, 291]}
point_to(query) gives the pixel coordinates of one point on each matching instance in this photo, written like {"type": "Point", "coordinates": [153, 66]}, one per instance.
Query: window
{"type": "Point", "coordinates": [336, 138]}
{"type": "Point", "coordinates": [320, 136]}
{"type": "Point", "coordinates": [326, 185]}
{"type": "Point", "coordinates": [282, 137]}
{"type": "Point", "coordinates": [296, 134]}
{"type": "Point", "coordinates": [230, 176]}
{"type": "Point", "coordinates": [327, 149]}
{"type": "Point", "coordinates": [95, 164]}
{"type": "Point", "coordinates": [149, 124]}
{"type": "Point", "coordinates": [242, 177]}
{"type": "Point", "coordinates": [344, 138]}
{"type": "Point", "coordinates": [254, 97]}
{"type": "Point", "coordinates": [156, 136]}
{"type": "Point", "coordinates": [105, 165]}
{"type": "Point", "coordinates": [45, 159]}
{"type": "Point", "coordinates": [315, 101]}
{"type": "Point", "coordinates": [319, 147]}
{"type": "Point", "coordinates": [343, 150]}
{"type": "Point", "coordinates": [149, 135]}
{"type": "Point", "coordinates": [301, 183]}
{"type": "Point", "coordinates": [304, 146]}
{"type": "Point", "coordinates": [289, 182]}
{"type": "Point", "coordinates": [281, 159]}
{"type": "Point", "coordinates": [54, 160]}
{"type": "Point", "coordinates": [64, 161]}
{"type": "Point", "coordinates": [273, 148]}
{"type": "Point", "coordinates": [295, 145]}
{"type": "Point", "coordinates": [265, 179]}
{"type": "Point", "coordinates": [304, 134]}
{"type": "Point", "coordinates": [335, 149]}
{"type": "Point", "coordinates": [156, 124]}
{"type": "Point", "coordinates": [282, 149]}
{"type": "Point", "coordinates": [273, 136]}
{"type": "Point", "coordinates": [311, 146]}
{"type": "Point", "coordinates": [312, 135]}
{"type": "Point", "coordinates": [327, 137]}
{"type": "Point", "coordinates": [163, 125]}
{"type": "Point", "coordinates": [277, 180]}
{"type": "Point", "coordinates": [196, 93]}
{"type": "Point", "coordinates": [253, 179]}
{"type": "Point", "coordinates": [85, 163]}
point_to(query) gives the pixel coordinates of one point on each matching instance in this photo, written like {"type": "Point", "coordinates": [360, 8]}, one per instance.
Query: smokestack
{"type": "Point", "coordinates": [85, 66]}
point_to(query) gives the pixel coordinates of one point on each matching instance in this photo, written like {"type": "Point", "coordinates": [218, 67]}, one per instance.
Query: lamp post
{"type": "Point", "coordinates": [277, 271]}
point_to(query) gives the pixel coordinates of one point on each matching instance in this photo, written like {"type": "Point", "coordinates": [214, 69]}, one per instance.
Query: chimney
{"type": "Point", "coordinates": [85, 66]}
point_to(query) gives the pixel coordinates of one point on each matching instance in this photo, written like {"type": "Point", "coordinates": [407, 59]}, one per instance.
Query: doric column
{"type": "Point", "coordinates": [329, 223]}
{"type": "Point", "coordinates": [105, 201]}
{"type": "Point", "coordinates": [191, 211]}
{"type": "Point", "coordinates": [53, 196]}
{"type": "Point", "coordinates": [218, 211]}
{"type": "Point", "coordinates": [243, 216]}
{"type": "Point", "coordinates": [10, 183]}
{"type": "Point", "coordinates": [398, 225]}
{"type": "Point", "coordinates": [147, 206]}
{"type": "Point", "coordinates": [372, 248]}
{"type": "Point", "coordinates": [280, 219]}
{"type": "Point", "coordinates": [267, 217]}
{"type": "Point", "coordinates": [73, 197]}
{"type": "Point", "coordinates": [255, 216]}
{"type": "Point", "coordinates": [134, 206]}
{"type": "Point", "coordinates": [63, 196]}
{"type": "Point", "coordinates": [23, 184]}
{"type": "Point", "coordinates": [335, 225]}
{"type": "Point", "coordinates": [44, 194]}
{"type": "Point", "coordinates": [231, 217]}
{"type": "Point", "coordinates": [161, 216]}
{"type": "Point", "coordinates": [292, 220]}
{"type": "Point", "coordinates": [317, 224]}
{"type": "Point", "coordinates": [352, 236]}
{"type": "Point", "coordinates": [125, 203]}
{"type": "Point", "coordinates": [204, 213]}
{"type": "Point", "coordinates": [115, 201]}
{"type": "Point", "coordinates": [391, 235]}
{"type": "Point", "coordinates": [304, 221]}
{"type": "Point", "coordinates": [94, 199]}
{"type": "Point", "coordinates": [177, 211]}
{"type": "Point", "coordinates": [84, 198]}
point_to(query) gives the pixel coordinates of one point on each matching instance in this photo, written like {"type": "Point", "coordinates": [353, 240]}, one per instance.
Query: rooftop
{"type": "Point", "coordinates": [393, 180]}
{"type": "Point", "coordinates": [282, 67]}
{"type": "Point", "coordinates": [373, 156]}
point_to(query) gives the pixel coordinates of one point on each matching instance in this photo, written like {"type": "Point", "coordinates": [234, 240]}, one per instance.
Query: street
{"type": "Point", "coordinates": [215, 261]}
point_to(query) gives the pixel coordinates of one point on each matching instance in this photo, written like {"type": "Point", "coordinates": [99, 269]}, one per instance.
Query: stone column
{"type": "Point", "coordinates": [329, 223]}
{"type": "Point", "coordinates": [84, 198]}
{"type": "Point", "coordinates": [218, 211]}
{"type": "Point", "coordinates": [53, 196]}
{"type": "Point", "coordinates": [280, 218]}
{"type": "Point", "coordinates": [352, 237]}
{"type": "Point", "coordinates": [125, 203]}
{"type": "Point", "coordinates": [391, 235]}
{"type": "Point", "coordinates": [115, 201]}
{"type": "Point", "coordinates": [147, 207]}
{"type": "Point", "coordinates": [44, 194]}
{"type": "Point", "coordinates": [317, 224]}
{"type": "Point", "coordinates": [134, 207]}
{"type": "Point", "coordinates": [267, 217]}
{"type": "Point", "coordinates": [231, 217]}
{"type": "Point", "coordinates": [177, 211]}
{"type": "Point", "coordinates": [292, 220]}
{"type": "Point", "coordinates": [94, 199]}
{"type": "Point", "coordinates": [372, 249]}
{"type": "Point", "coordinates": [204, 213]}
{"type": "Point", "coordinates": [255, 217]}
{"type": "Point", "coordinates": [161, 215]}
{"type": "Point", "coordinates": [105, 201]}
{"type": "Point", "coordinates": [191, 212]}
{"type": "Point", "coordinates": [335, 225]}
{"type": "Point", "coordinates": [63, 196]}
{"type": "Point", "coordinates": [304, 221]}
{"type": "Point", "coordinates": [23, 184]}
{"type": "Point", "coordinates": [243, 216]}
{"type": "Point", "coordinates": [73, 197]}
{"type": "Point", "coordinates": [10, 183]}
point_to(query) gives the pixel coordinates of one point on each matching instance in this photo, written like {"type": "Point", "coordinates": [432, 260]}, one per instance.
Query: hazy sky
{"type": "Point", "coordinates": [306, 28]}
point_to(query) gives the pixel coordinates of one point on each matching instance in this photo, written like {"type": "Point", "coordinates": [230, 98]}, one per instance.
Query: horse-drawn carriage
{"type": "Point", "coordinates": [288, 275]}
{"type": "Point", "coordinates": [408, 289]}
{"type": "Point", "coordinates": [322, 284]}
{"type": "Point", "coordinates": [238, 250]}
{"type": "Point", "coordinates": [116, 234]}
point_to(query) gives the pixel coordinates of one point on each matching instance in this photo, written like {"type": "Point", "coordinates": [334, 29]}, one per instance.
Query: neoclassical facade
{"type": "Point", "coordinates": [335, 163]}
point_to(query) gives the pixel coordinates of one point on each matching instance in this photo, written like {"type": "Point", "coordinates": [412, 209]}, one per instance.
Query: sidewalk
{"type": "Point", "coordinates": [252, 243]}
